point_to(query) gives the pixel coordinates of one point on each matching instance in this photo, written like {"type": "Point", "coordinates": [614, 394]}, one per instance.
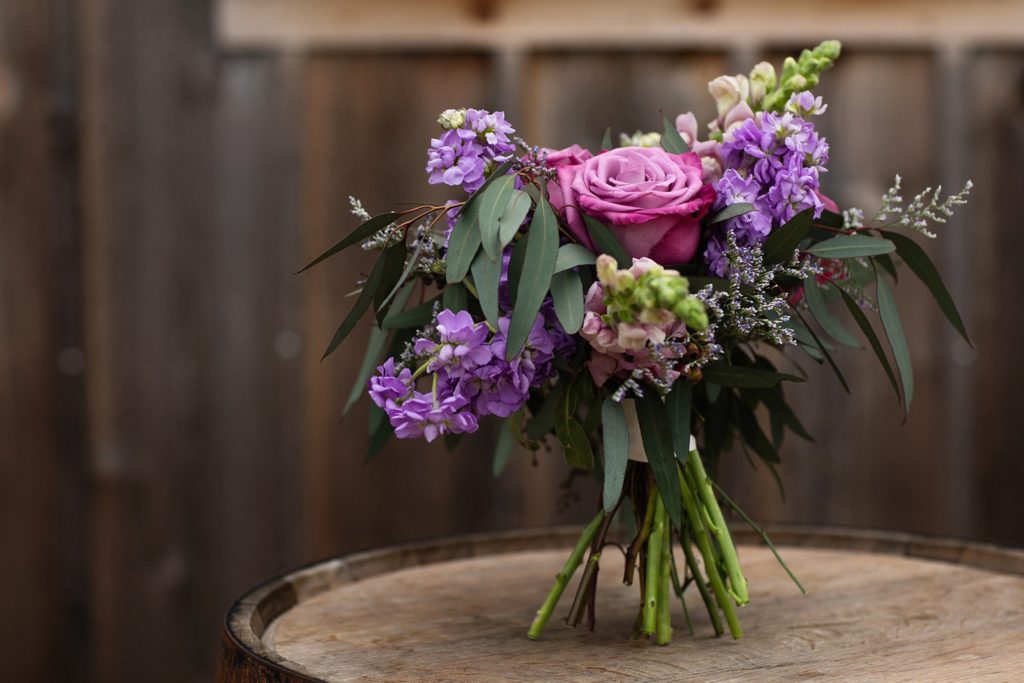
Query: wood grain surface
{"type": "Point", "coordinates": [881, 606]}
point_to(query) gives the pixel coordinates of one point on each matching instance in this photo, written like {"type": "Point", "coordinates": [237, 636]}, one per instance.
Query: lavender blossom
{"type": "Point", "coordinates": [427, 416]}
{"type": "Point", "coordinates": [774, 162]}
{"type": "Point", "coordinates": [474, 141]}
{"type": "Point", "coordinates": [459, 346]}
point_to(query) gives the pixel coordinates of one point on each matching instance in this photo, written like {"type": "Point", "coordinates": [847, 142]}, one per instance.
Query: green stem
{"type": "Point", "coordinates": [678, 587]}
{"type": "Point", "coordinates": [641, 538]}
{"type": "Point", "coordinates": [702, 586]}
{"type": "Point", "coordinates": [663, 627]}
{"type": "Point", "coordinates": [654, 560]}
{"type": "Point", "coordinates": [719, 528]}
{"type": "Point", "coordinates": [562, 578]}
{"type": "Point", "coordinates": [710, 561]}
{"type": "Point", "coordinates": [760, 532]}
{"type": "Point", "coordinates": [580, 602]}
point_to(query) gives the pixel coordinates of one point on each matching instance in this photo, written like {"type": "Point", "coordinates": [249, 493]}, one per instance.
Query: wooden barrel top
{"type": "Point", "coordinates": [879, 605]}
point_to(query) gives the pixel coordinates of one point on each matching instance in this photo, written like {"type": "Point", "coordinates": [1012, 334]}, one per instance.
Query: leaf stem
{"type": "Point", "coordinates": [562, 578]}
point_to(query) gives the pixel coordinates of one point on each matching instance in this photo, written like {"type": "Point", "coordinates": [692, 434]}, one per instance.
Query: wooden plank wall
{"type": "Point", "coordinates": [157, 192]}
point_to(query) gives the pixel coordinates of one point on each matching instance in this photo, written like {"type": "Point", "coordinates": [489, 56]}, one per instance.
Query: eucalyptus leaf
{"type": "Point", "coordinates": [576, 446]}
{"type": "Point", "coordinates": [359, 307]}
{"type": "Point", "coordinates": [869, 334]}
{"type": "Point", "coordinates": [829, 219]}
{"type": "Point", "coordinates": [917, 260]}
{"type": "Point", "coordinates": [374, 347]}
{"type": "Point", "coordinates": [616, 451]}
{"type": "Point", "coordinates": [567, 293]}
{"type": "Point", "coordinates": [515, 266]}
{"type": "Point", "coordinates": [606, 141]}
{"type": "Point", "coordinates": [357, 236]}
{"type": "Point", "coordinates": [829, 322]}
{"type": "Point", "coordinates": [463, 243]}
{"type": "Point", "coordinates": [455, 297]}
{"type": "Point", "coordinates": [671, 140]}
{"type": "Point", "coordinates": [781, 244]}
{"type": "Point", "coordinates": [538, 267]}
{"type": "Point", "coordinates": [897, 341]}
{"type": "Point", "coordinates": [656, 432]}
{"type": "Point", "coordinates": [678, 404]}
{"type": "Point", "coordinates": [492, 205]}
{"type": "Point", "coordinates": [731, 211]}
{"type": "Point", "coordinates": [825, 352]}
{"type": "Point", "coordinates": [390, 278]}
{"type": "Point", "coordinates": [743, 377]}
{"type": "Point", "coordinates": [486, 276]}
{"type": "Point", "coordinates": [750, 431]}
{"type": "Point", "coordinates": [515, 214]}
{"type": "Point", "coordinates": [605, 241]}
{"type": "Point", "coordinates": [503, 449]}
{"type": "Point", "coordinates": [851, 246]}
{"type": "Point", "coordinates": [572, 256]}
{"type": "Point", "coordinates": [418, 316]}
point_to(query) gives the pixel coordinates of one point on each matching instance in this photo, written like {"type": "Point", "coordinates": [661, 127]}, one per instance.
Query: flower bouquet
{"type": "Point", "coordinates": [632, 303]}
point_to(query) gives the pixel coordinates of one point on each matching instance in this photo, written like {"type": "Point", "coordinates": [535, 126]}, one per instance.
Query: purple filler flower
{"type": "Point", "coordinates": [422, 415]}
{"type": "Point", "coordinates": [459, 346]}
{"type": "Point", "coordinates": [387, 386]}
{"type": "Point", "coordinates": [454, 160]}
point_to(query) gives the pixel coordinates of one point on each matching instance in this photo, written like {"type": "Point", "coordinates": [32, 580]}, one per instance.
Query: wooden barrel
{"type": "Point", "coordinates": [879, 605]}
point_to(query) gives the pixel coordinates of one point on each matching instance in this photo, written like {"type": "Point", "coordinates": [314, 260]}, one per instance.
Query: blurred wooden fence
{"type": "Point", "coordinates": [169, 435]}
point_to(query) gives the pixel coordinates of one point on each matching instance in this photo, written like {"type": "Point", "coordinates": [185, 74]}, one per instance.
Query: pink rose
{"type": "Point", "coordinates": [652, 200]}
{"type": "Point", "coordinates": [566, 157]}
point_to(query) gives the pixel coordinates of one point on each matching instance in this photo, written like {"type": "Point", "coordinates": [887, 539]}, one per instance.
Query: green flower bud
{"type": "Point", "coordinates": [640, 139]}
{"type": "Point", "coordinates": [829, 49]}
{"type": "Point", "coordinates": [452, 118]}
{"type": "Point", "coordinates": [762, 81]}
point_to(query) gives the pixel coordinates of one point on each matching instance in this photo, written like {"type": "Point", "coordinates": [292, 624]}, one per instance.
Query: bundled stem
{"type": "Point", "coordinates": [652, 591]}
{"type": "Point", "coordinates": [562, 578]}
{"type": "Point", "coordinates": [719, 529]}
{"type": "Point", "coordinates": [693, 512]}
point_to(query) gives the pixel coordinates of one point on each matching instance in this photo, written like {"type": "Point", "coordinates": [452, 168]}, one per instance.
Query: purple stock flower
{"type": "Point", "coordinates": [462, 156]}
{"type": "Point", "coordinates": [454, 160]}
{"type": "Point", "coordinates": [423, 415]}
{"type": "Point", "coordinates": [387, 386]}
{"type": "Point", "coordinates": [774, 162]}
{"type": "Point", "coordinates": [459, 346]}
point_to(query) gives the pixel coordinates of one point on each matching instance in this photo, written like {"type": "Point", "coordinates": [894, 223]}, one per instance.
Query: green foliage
{"type": "Point", "coordinates": [730, 211]}
{"type": "Point", "coordinates": [656, 431]}
{"type": "Point", "coordinates": [573, 256]}
{"type": "Point", "coordinates": [605, 241]}
{"type": "Point", "coordinates": [851, 246]}
{"type": "Point", "coordinates": [671, 140]}
{"type": "Point", "coordinates": [492, 204]}
{"type": "Point", "coordinates": [897, 341]}
{"type": "Point", "coordinates": [567, 293]}
{"type": "Point", "coordinates": [917, 260]}
{"type": "Point", "coordinates": [538, 267]}
{"type": "Point", "coordinates": [463, 243]}
{"type": "Point", "coordinates": [357, 236]}
{"type": "Point", "coordinates": [486, 275]}
{"type": "Point", "coordinates": [781, 244]}
{"type": "Point", "coordinates": [360, 307]}
{"type": "Point", "coordinates": [726, 375]}
{"type": "Point", "coordinates": [616, 451]}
